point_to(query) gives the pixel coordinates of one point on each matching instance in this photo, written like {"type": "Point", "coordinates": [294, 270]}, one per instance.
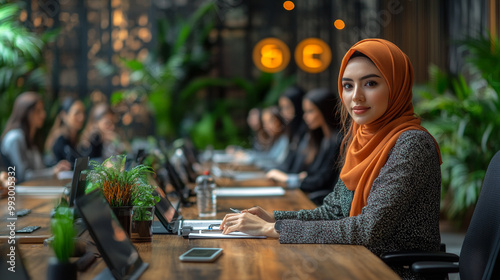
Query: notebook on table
{"type": "Point", "coordinates": [122, 258]}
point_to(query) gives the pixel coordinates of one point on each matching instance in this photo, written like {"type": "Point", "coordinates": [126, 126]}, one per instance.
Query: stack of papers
{"type": "Point", "coordinates": [250, 191]}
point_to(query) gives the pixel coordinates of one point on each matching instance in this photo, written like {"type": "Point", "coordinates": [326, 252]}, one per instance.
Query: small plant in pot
{"type": "Point", "coordinates": [63, 245]}
{"type": "Point", "coordinates": [143, 212]}
{"type": "Point", "coordinates": [118, 185]}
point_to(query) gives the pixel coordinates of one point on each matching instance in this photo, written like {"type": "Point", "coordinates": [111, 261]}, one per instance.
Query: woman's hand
{"type": "Point", "coordinates": [277, 175]}
{"type": "Point", "coordinates": [261, 213]}
{"type": "Point", "coordinates": [247, 223]}
{"type": "Point", "coordinates": [62, 165]}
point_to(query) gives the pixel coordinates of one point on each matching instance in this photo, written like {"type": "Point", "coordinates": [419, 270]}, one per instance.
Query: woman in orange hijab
{"type": "Point", "coordinates": [388, 194]}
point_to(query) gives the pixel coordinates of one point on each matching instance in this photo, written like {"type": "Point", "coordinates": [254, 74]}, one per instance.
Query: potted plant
{"type": "Point", "coordinates": [143, 213]}
{"type": "Point", "coordinates": [118, 185]}
{"type": "Point", "coordinates": [63, 245]}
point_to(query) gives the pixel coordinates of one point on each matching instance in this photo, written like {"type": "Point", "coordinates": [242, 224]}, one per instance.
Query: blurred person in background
{"type": "Point", "coordinates": [317, 163]}
{"type": "Point", "coordinates": [290, 104]}
{"type": "Point", "coordinates": [259, 138]}
{"type": "Point", "coordinates": [274, 126]}
{"type": "Point", "coordinates": [63, 139]}
{"type": "Point", "coordinates": [99, 139]}
{"type": "Point", "coordinates": [21, 140]}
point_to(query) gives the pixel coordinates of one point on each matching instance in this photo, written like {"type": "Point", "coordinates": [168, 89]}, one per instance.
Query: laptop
{"type": "Point", "coordinates": [180, 188]}
{"type": "Point", "coordinates": [121, 257]}
{"type": "Point", "coordinates": [78, 184]}
{"type": "Point", "coordinates": [170, 222]}
{"type": "Point", "coordinates": [78, 181]}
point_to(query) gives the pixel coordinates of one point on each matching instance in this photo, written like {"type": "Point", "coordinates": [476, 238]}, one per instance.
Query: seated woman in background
{"type": "Point", "coordinates": [388, 195]}
{"type": "Point", "coordinates": [290, 104]}
{"type": "Point", "coordinates": [319, 167]}
{"type": "Point", "coordinates": [274, 126]}
{"type": "Point", "coordinates": [259, 138]}
{"type": "Point", "coordinates": [20, 139]}
{"type": "Point", "coordinates": [63, 137]}
{"type": "Point", "coordinates": [99, 135]}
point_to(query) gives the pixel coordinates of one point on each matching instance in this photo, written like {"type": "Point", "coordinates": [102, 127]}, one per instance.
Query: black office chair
{"type": "Point", "coordinates": [479, 256]}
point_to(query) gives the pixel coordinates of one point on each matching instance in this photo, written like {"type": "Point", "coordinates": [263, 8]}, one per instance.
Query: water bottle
{"type": "Point", "coordinates": [205, 195]}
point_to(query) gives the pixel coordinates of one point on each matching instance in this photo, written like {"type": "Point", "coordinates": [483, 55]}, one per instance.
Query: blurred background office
{"type": "Point", "coordinates": [178, 68]}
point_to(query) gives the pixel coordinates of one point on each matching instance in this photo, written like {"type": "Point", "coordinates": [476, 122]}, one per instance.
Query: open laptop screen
{"type": "Point", "coordinates": [120, 255]}
{"type": "Point", "coordinates": [164, 209]}
{"type": "Point", "coordinates": [78, 183]}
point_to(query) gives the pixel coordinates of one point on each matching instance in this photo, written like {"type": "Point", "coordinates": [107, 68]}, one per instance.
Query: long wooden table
{"type": "Point", "coordinates": [241, 259]}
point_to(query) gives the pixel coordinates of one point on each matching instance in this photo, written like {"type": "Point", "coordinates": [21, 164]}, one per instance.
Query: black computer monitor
{"type": "Point", "coordinates": [120, 255]}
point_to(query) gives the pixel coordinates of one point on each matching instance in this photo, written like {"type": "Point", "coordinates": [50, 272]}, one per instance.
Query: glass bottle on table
{"type": "Point", "coordinates": [206, 197]}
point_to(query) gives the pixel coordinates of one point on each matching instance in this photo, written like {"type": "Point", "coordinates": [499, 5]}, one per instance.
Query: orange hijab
{"type": "Point", "coordinates": [371, 143]}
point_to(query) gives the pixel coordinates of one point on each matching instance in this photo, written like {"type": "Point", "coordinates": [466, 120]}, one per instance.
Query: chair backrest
{"type": "Point", "coordinates": [479, 253]}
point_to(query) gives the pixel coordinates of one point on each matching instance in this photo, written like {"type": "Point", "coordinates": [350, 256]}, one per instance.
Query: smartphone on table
{"type": "Point", "coordinates": [201, 255]}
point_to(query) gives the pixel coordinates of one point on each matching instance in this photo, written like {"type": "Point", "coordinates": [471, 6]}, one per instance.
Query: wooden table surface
{"type": "Point", "coordinates": [241, 258]}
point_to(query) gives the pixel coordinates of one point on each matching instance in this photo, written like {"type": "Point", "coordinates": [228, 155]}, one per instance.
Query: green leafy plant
{"type": "Point", "coordinates": [173, 78]}
{"type": "Point", "coordinates": [21, 60]}
{"type": "Point", "coordinates": [168, 75]}
{"type": "Point", "coordinates": [216, 125]}
{"type": "Point", "coordinates": [463, 113]}
{"type": "Point", "coordinates": [142, 199]}
{"type": "Point", "coordinates": [117, 184]}
{"type": "Point", "coordinates": [63, 232]}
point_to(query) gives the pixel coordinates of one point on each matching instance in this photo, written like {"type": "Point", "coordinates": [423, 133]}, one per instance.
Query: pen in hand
{"type": "Point", "coordinates": [235, 210]}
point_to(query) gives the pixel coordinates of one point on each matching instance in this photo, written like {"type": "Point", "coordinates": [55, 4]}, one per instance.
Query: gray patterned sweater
{"type": "Point", "coordinates": [402, 212]}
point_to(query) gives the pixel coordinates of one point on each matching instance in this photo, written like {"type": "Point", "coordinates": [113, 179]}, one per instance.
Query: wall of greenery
{"type": "Point", "coordinates": [463, 112]}
{"type": "Point", "coordinates": [184, 98]}
{"type": "Point", "coordinates": [21, 60]}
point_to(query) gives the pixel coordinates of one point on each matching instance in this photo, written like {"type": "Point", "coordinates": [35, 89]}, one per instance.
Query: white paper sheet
{"type": "Point", "coordinates": [250, 191]}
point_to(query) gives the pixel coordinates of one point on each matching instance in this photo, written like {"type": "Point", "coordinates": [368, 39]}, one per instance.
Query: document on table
{"type": "Point", "coordinates": [249, 191]}
{"type": "Point", "coordinates": [218, 234]}
{"type": "Point", "coordinates": [65, 175]}
{"type": "Point", "coordinates": [40, 190]}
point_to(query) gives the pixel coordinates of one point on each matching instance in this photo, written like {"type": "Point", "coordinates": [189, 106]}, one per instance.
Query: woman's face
{"type": "Point", "coordinates": [364, 91]}
{"type": "Point", "coordinates": [271, 124]}
{"type": "Point", "coordinates": [106, 123]}
{"type": "Point", "coordinates": [75, 117]}
{"type": "Point", "coordinates": [312, 115]}
{"type": "Point", "coordinates": [253, 119]}
{"type": "Point", "coordinates": [37, 116]}
{"type": "Point", "coordinates": [286, 108]}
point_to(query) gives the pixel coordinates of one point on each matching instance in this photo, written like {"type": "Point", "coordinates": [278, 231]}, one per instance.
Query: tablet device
{"type": "Point", "coordinates": [201, 255]}
{"type": "Point", "coordinates": [166, 214]}
{"type": "Point", "coordinates": [77, 184]}
{"type": "Point", "coordinates": [120, 255]}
